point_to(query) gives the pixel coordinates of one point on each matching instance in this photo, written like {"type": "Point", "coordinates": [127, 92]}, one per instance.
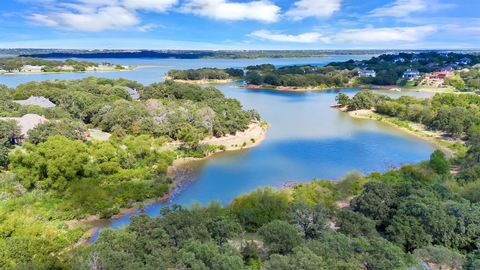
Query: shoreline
{"type": "Point", "coordinates": [434, 138]}
{"type": "Point", "coordinates": [63, 72]}
{"type": "Point", "coordinates": [256, 131]}
{"type": "Point", "coordinates": [202, 81]}
{"type": "Point", "coordinates": [289, 88]}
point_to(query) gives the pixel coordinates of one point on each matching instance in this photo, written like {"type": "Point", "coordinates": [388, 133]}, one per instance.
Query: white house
{"type": "Point", "coordinates": [367, 73]}
{"type": "Point", "coordinates": [411, 74]}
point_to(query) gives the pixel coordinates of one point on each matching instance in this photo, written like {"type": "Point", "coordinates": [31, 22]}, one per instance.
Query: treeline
{"type": "Point", "coordinates": [466, 80]}
{"type": "Point", "coordinates": [389, 68]}
{"type": "Point", "coordinates": [401, 219]}
{"type": "Point", "coordinates": [16, 64]}
{"type": "Point", "coordinates": [298, 76]}
{"type": "Point", "coordinates": [59, 174]}
{"type": "Point", "coordinates": [206, 74]}
{"type": "Point", "coordinates": [180, 54]}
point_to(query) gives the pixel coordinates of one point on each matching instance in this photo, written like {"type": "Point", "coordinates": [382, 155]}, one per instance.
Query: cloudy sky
{"type": "Point", "coordinates": [240, 24]}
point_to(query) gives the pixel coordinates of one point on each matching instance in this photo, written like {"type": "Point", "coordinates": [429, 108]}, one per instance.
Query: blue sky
{"type": "Point", "coordinates": [240, 24]}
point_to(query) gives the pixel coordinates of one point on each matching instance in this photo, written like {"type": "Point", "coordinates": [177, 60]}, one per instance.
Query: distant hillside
{"type": "Point", "coordinates": [184, 54]}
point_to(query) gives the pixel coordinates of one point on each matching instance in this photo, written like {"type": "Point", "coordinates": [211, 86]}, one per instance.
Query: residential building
{"type": "Point", "coordinates": [411, 74]}
{"type": "Point", "coordinates": [37, 101]}
{"type": "Point", "coordinates": [26, 123]}
{"type": "Point", "coordinates": [367, 73]}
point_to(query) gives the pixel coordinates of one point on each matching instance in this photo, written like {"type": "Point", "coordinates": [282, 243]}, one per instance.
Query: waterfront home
{"type": "Point", "coordinates": [367, 73]}
{"type": "Point", "coordinates": [411, 74]}
{"type": "Point", "coordinates": [26, 123]}
{"type": "Point", "coordinates": [29, 68]}
{"type": "Point", "coordinates": [37, 101]}
{"type": "Point", "coordinates": [439, 75]}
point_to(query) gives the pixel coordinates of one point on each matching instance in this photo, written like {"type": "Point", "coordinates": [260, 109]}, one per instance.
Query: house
{"type": "Point", "coordinates": [447, 69]}
{"type": "Point", "coordinates": [464, 61]}
{"type": "Point", "coordinates": [29, 68]}
{"type": "Point", "coordinates": [37, 101]}
{"type": "Point", "coordinates": [439, 75]}
{"type": "Point", "coordinates": [132, 92]}
{"type": "Point", "coordinates": [26, 123]}
{"type": "Point", "coordinates": [367, 73]}
{"type": "Point", "coordinates": [399, 60]}
{"type": "Point", "coordinates": [411, 74]}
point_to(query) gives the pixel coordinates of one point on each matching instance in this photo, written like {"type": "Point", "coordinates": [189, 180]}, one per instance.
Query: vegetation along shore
{"type": "Point", "coordinates": [28, 65]}
{"type": "Point", "coordinates": [73, 150]}
{"type": "Point", "coordinates": [447, 120]}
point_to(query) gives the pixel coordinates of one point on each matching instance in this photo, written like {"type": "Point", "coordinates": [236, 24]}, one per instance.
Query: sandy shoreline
{"type": "Point", "coordinates": [417, 130]}
{"type": "Point", "coordinates": [253, 136]}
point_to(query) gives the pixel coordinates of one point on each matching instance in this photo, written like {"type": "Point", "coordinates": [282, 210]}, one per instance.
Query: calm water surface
{"type": "Point", "coordinates": [307, 139]}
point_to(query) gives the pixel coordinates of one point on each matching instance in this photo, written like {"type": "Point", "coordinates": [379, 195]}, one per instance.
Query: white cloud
{"type": "Point", "coordinates": [313, 8]}
{"type": "Point", "coordinates": [147, 27]}
{"type": "Point", "coordinates": [89, 20]}
{"type": "Point", "coordinates": [353, 36]}
{"type": "Point", "coordinates": [401, 8]}
{"type": "Point", "coordinates": [393, 34]}
{"type": "Point", "coordinates": [150, 5]}
{"type": "Point", "coordinates": [310, 37]}
{"type": "Point", "coordinates": [43, 20]}
{"type": "Point", "coordinates": [261, 10]}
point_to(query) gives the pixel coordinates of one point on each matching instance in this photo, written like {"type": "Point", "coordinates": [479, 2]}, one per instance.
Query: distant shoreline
{"type": "Point", "coordinates": [63, 72]}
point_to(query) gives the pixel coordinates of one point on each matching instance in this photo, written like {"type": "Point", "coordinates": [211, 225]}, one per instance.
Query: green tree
{"type": "Point", "coordinates": [439, 163]}
{"type": "Point", "coordinates": [342, 99]}
{"type": "Point", "coordinates": [310, 220]}
{"type": "Point", "coordinates": [280, 237]}
{"type": "Point", "coordinates": [259, 208]}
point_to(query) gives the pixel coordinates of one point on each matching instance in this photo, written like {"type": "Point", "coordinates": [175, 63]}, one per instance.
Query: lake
{"type": "Point", "coordinates": [307, 139]}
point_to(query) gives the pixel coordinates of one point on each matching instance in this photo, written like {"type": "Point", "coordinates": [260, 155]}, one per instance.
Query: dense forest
{"type": "Point", "coordinates": [16, 64]}
{"type": "Point", "coordinates": [60, 174]}
{"type": "Point", "coordinates": [270, 76]}
{"type": "Point", "coordinates": [206, 74]}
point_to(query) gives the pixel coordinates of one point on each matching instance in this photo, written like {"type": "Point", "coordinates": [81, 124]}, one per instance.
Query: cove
{"type": "Point", "coordinates": [307, 139]}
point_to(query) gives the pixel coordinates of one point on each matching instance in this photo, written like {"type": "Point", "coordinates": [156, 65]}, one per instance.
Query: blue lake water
{"type": "Point", "coordinates": [307, 139]}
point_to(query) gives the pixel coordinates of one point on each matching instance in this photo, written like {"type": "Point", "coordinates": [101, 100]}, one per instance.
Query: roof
{"type": "Point", "coordinates": [27, 122]}
{"type": "Point", "coordinates": [38, 101]}
{"type": "Point", "coordinates": [132, 92]}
